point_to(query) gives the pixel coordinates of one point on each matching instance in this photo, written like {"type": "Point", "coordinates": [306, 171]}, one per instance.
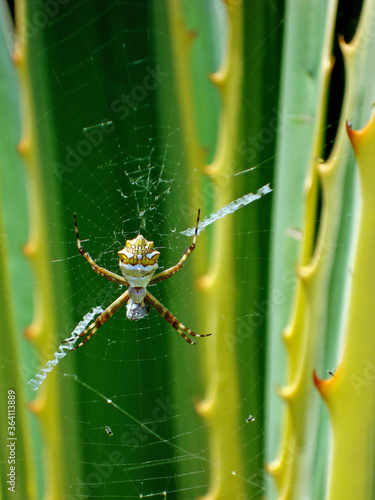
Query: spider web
{"type": "Point", "coordinates": [156, 446]}
{"type": "Point", "coordinates": [134, 384]}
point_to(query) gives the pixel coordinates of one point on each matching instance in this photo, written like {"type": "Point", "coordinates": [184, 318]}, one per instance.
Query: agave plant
{"type": "Point", "coordinates": [319, 454]}
{"type": "Point", "coordinates": [134, 116]}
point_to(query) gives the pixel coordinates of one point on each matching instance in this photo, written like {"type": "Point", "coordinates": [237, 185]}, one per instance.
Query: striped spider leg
{"type": "Point", "coordinates": [100, 270]}
{"type": "Point", "coordinates": [138, 263]}
{"type": "Point", "coordinates": [167, 315]}
{"type": "Point", "coordinates": [172, 320]}
{"type": "Point", "coordinates": [100, 320]}
{"type": "Point", "coordinates": [169, 272]}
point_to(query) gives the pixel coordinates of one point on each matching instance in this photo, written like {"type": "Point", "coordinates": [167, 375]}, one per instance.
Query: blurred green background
{"type": "Point", "coordinates": [93, 93]}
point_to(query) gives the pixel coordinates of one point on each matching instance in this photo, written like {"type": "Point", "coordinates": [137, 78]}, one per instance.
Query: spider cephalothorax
{"type": "Point", "coordinates": [138, 263]}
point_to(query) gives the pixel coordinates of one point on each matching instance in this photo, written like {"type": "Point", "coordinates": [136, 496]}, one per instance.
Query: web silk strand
{"type": "Point", "coordinates": [39, 378]}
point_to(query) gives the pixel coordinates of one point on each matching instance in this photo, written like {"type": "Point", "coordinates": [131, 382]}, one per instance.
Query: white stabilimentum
{"type": "Point", "coordinates": [37, 381]}
{"type": "Point", "coordinates": [229, 209]}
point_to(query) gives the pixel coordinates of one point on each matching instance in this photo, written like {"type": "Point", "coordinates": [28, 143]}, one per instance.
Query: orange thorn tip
{"type": "Point", "coordinates": [29, 249]}
{"type": "Point", "coordinates": [303, 272]}
{"type": "Point", "coordinates": [210, 170]}
{"type": "Point", "coordinates": [17, 56]}
{"type": "Point", "coordinates": [287, 333]}
{"type": "Point", "coordinates": [202, 407]}
{"type": "Point", "coordinates": [204, 282]}
{"type": "Point", "coordinates": [30, 332]}
{"type": "Point", "coordinates": [36, 406]}
{"type": "Point", "coordinates": [317, 381]}
{"type": "Point", "coordinates": [357, 136]}
{"type": "Point", "coordinates": [285, 393]}
{"type": "Point", "coordinates": [273, 468]}
{"type": "Point", "coordinates": [322, 384]}
{"type": "Point", "coordinates": [23, 147]}
{"type": "Point", "coordinates": [217, 78]}
{"type": "Point", "coordinates": [352, 134]}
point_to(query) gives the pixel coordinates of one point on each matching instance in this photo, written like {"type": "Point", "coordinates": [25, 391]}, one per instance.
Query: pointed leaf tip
{"type": "Point", "coordinates": [31, 332]}
{"type": "Point", "coordinates": [285, 393]}
{"type": "Point", "coordinates": [323, 385]}
{"type": "Point", "coordinates": [357, 137]}
{"type": "Point", "coordinates": [217, 78]}
{"type": "Point", "coordinates": [203, 408]}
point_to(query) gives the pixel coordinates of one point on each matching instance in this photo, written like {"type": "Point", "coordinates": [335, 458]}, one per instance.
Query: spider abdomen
{"type": "Point", "coordinates": [137, 308]}
{"type": "Point", "coordinates": [136, 311]}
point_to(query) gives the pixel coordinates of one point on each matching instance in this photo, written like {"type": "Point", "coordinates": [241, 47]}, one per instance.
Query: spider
{"type": "Point", "coordinates": [138, 263]}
